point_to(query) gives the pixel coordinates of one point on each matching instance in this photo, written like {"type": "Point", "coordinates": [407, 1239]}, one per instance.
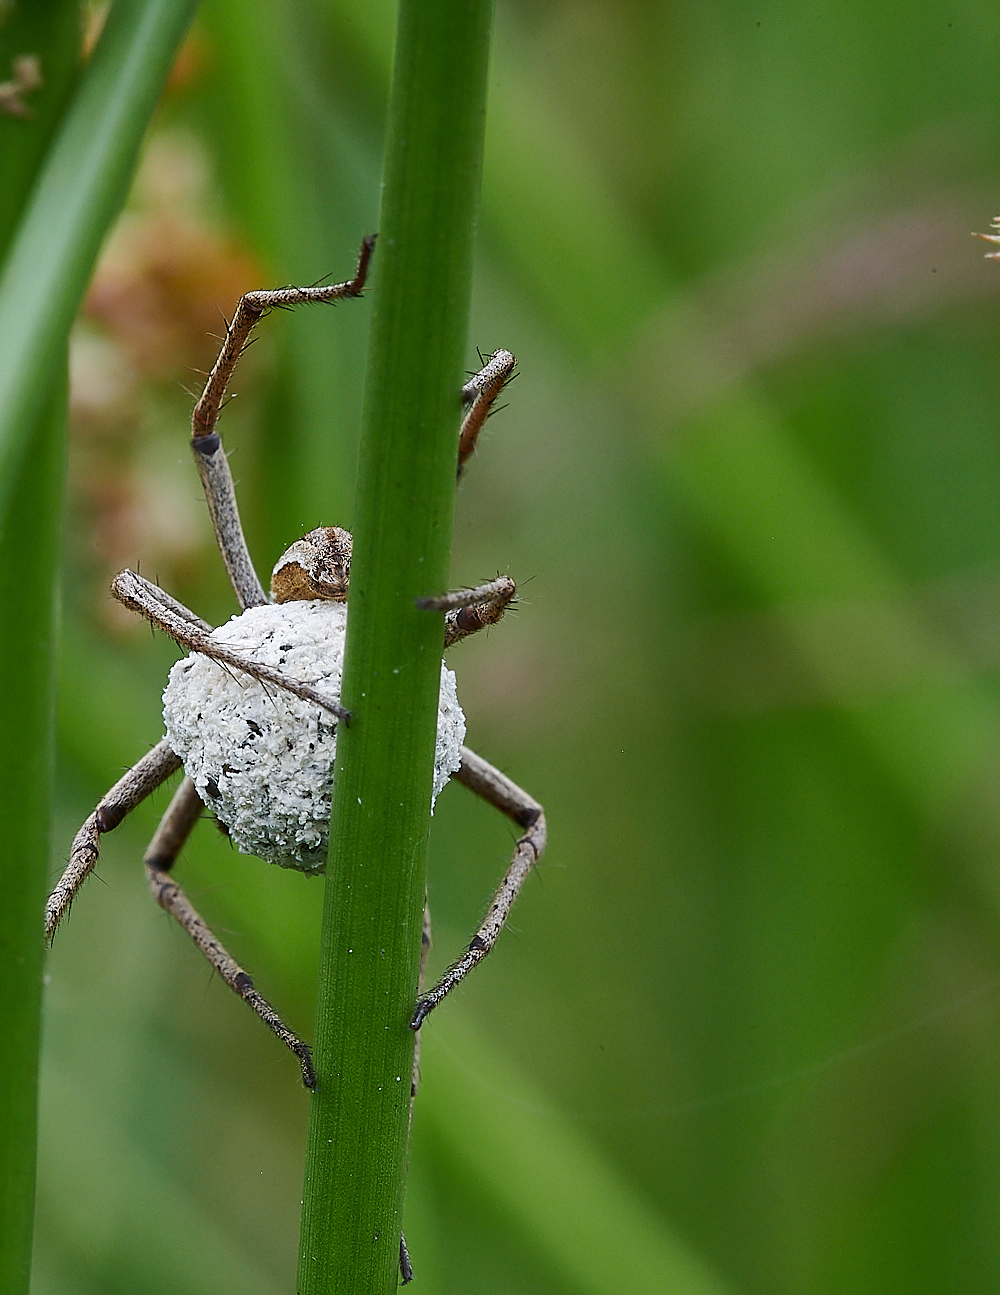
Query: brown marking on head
{"type": "Point", "coordinates": [316, 566]}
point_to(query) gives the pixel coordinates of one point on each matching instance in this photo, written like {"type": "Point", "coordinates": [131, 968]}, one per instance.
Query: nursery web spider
{"type": "Point", "coordinates": [310, 580]}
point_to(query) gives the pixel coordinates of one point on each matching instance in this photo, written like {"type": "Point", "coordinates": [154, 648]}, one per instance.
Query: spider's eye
{"type": "Point", "coordinates": [316, 566]}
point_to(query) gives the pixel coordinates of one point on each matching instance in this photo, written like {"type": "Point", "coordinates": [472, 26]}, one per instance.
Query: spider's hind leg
{"type": "Point", "coordinates": [141, 780]}
{"type": "Point", "coordinates": [183, 812]}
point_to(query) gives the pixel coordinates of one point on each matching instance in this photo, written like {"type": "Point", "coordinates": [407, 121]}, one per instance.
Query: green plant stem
{"type": "Point", "coordinates": [79, 192]}
{"type": "Point", "coordinates": [75, 156]}
{"type": "Point", "coordinates": [49, 31]}
{"type": "Point", "coordinates": [29, 561]}
{"type": "Point", "coordinates": [375, 888]}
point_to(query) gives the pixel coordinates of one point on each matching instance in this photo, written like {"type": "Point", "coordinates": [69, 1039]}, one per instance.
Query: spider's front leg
{"type": "Point", "coordinates": [467, 611]}
{"type": "Point", "coordinates": [183, 812]}
{"type": "Point", "coordinates": [149, 600]}
{"type": "Point", "coordinates": [478, 397]}
{"type": "Point", "coordinates": [213, 466]}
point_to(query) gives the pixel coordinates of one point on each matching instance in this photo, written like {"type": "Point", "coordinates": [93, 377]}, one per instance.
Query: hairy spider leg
{"type": "Point", "coordinates": [425, 950]}
{"type": "Point", "coordinates": [210, 457]}
{"type": "Point", "coordinates": [405, 1265]}
{"type": "Point", "coordinates": [141, 780]}
{"type": "Point", "coordinates": [496, 788]}
{"type": "Point", "coordinates": [467, 611]}
{"type": "Point", "coordinates": [478, 397]}
{"type": "Point", "coordinates": [158, 595]}
{"type": "Point", "coordinates": [175, 827]}
{"type": "Point", "coordinates": [149, 600]}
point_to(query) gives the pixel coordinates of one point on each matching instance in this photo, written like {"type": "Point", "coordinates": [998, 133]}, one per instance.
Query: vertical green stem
{"type": "Point", "coordinates": [65, 169]}
{"type": "Point", "coordinates": [375, 888]}
{"type": "Point", "coordinates": [49, 32]}
{"type": "Point", "coordinates": [29, 557]}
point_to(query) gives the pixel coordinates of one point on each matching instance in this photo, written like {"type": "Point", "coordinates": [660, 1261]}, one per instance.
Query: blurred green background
{"type": "Point", "coordinates": [742, 1033]}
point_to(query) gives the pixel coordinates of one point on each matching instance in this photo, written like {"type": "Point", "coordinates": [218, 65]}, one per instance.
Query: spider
{"type": "Point", "coordinates": [224, 721]}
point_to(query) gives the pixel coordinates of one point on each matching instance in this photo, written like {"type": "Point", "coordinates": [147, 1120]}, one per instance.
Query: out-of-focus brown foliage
{"type": "Point", "coordinates": [165, 283]}
{"type": "Point", "coordinates": [166, 275]}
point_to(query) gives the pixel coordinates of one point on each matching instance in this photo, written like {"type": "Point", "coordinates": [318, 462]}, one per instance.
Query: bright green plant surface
{"type": "Point", "coordinates": [29, 553]}
{"type": "Point", "coordinates": [66, 164]}
{"type": "Point", "coordinates": [370, 954]}
{"type": "Point", "coordinates": [30, 562]}
{"type": "Point", "coordinates": [751, 463]}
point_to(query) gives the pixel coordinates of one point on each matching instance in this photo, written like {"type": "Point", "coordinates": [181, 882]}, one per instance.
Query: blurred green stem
{"type": "Point", "coordinates": [49, 33]}
{"type": "Point", "coordinates": [74, 156]}
{"type": "Point", "coordinates": [80, 190]}
{"type": "Point", "coordinates": [29, 560]}
{"type": "Point", "coordinates": [382, 787]}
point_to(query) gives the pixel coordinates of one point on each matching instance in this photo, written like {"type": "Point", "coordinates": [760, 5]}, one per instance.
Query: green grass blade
{"type": "Point", "coordinates": [79, 191]}
{"type": "Point", "coordinates": [371, 932]}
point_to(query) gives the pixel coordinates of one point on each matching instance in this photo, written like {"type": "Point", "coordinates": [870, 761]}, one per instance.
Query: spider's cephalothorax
{"type": "Point", "coordinates": [316, 566]}
{"type": "Point", "coordinates": [252, 712]}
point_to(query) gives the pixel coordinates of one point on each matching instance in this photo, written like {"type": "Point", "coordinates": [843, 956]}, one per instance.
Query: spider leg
{"type": "Point", "coordinates": [210, 457]}
{"type": "Point", "coordinates": [466, 612]}
{"type": "Point", "coordinates": [478, 398]}
{"type": "Point", "coordinates": [175, 827]}
{"type": "Point", "coordinates": [155, 594]}
{"type": "Point", "coordinates": [143, 778]}
{"type": "Point", "coordinates": [405, 1266]}
{"type": "Point", "coordinates": [147, 599]}
{"type": "Point", "coordinates": [425, 949]}
{"type": "Point", "coordinates": [220, 495]}
{"type": "Point", "coordinates": [469, 610]}
{"type": "Point", "coordinates": [497, 788]}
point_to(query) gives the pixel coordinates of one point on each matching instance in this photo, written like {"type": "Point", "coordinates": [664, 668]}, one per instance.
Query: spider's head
{"type": "Point", "coordinates": [316, 566]}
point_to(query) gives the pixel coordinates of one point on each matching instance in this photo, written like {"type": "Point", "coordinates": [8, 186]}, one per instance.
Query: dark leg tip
{"type": "Point", "coordinates": [405, 1267]}
{"type": "Point", "coordinates": [308, 1074]}
{"type": "Point", "coordinates": [420, 1014]}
